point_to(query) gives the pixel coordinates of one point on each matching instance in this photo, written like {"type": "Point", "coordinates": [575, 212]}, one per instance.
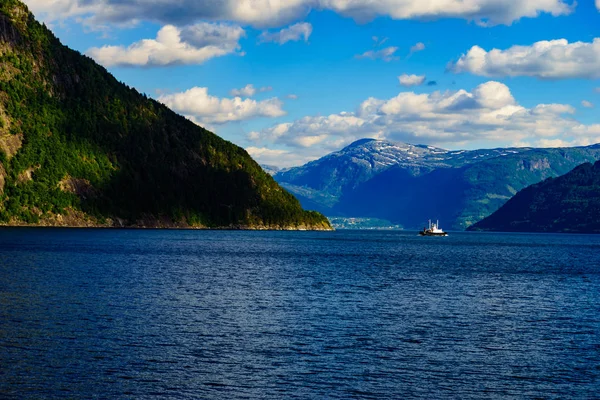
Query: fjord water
{"type": "Point", "coordinates": [315, 315]}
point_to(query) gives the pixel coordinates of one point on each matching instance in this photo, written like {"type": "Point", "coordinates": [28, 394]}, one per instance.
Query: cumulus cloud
{"type": "Point", "coordinates": [554, 59]}
{"type": "Point", "coordinates": [598, 4]}
{"type": "Point", "coordinates": [387, 54]}
{"type": "Point", "coordinates": [263, 13]}
{"type": "Point", "coordinates": [483, 12]}
{"type": "Point", "coordinates": [193, 44]}
{"type": "Point", "coordinates": [259, 13]}
{"type": "Point", "coordinates": [205, 109]}
{"type": "Point", "coordinates": [587, 104]}
{"type": "Point", "coordinates": [486, 116]}
{"type": "Point", "coordinates": [294, 33]}
{"type": "Point", "coordinates": [53, 10]}
{"type": "Point", "coordinates": [411, 80]}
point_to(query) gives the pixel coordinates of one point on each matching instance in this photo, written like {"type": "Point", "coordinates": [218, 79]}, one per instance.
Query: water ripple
{"type": "Point", "coordinates": [271, 315]}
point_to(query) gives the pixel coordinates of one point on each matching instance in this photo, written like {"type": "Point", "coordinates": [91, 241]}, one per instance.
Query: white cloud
{"type": "Point", "coordinates": [294, 33]}
{"type": "Point", "coordinates": [174, 46]}
{"type": "Point", "coordinates": [247, 91]}
{"type": "Point", "coordinates": [486, 116]}
{"type": "Point", "coordinates": [483, 12]}
{"type": "Point", "coordinates": [275, 13]}
{"type": "Point", "coordinates": [387, 54]}
{"type": "Point", "coordinates": [197, 104]}
{"type": "Point", "coordinates": [554, 59]}
{"type": "Point", "coordinates": [308, 131]}
{"type": "Point", "coordinates": [292, 96]}
{"type": "Point", "coordinates": [597, 90]}
{"type": "Point", "coordinates": [417, 47]}
{"type": "Point", "coordinates": [587, 104]}
{"type": "Point", "coordinates": [411, 80]}
{"type": "Point", "coordinates": [280, 158]}
{"type": "Point", "coordinates": [598, 4]}
{"type": "Point", "coordinates": [53, 10]}
{"type": "Point", "coordinates": [263, 154]}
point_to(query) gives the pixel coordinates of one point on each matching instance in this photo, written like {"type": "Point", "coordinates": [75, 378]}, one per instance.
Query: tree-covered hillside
{"type": "Point", "coordinates": [569, 203]}
{"type": "Point", "coordinates": [79, 148]}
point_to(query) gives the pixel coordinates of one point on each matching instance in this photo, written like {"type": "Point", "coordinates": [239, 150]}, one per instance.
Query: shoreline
{"type": "Point", "coordinates": [77, 219]}
{"type": "Point", "coordinates": [168, 228]}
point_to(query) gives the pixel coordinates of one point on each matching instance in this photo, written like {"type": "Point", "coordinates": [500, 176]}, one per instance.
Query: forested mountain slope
{"type": "Point", "coordinates": [77, 147]}
{"type": "Point", "coordinates": [569, 203]}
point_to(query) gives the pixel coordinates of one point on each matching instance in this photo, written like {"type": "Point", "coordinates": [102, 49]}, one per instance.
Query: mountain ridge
{"type": "Point", "coordinates": [408, 189]}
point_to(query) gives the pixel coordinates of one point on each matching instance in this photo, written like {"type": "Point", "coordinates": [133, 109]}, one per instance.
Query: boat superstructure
{"type": "Point", "coordinates": [433, 230]}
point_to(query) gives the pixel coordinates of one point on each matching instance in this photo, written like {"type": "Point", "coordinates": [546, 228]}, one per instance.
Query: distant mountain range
{"type": "Point", "coordinates": [409, 184]}
{"type": "Point", "coordinates": [570, 203]}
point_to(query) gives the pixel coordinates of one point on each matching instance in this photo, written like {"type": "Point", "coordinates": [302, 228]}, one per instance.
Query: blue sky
{"type": "Point", "coordinates": [327, 72]}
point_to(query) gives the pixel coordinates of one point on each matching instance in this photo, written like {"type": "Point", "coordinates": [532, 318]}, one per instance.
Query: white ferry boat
{"type": "Point", "coordinates": [433, 230]}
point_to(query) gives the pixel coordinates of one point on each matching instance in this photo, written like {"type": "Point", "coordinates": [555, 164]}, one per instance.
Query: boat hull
{"type": "Point", "coordinates": [432, 234]}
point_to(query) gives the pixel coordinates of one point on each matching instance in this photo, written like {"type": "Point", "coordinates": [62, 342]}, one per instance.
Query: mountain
{"type": "Point", "coordinates": [78, 148]}
{"type": "Point", "coordinates": [409, 184]}
{"type": "Point", "coordinates": [570, 203]}
{"type": "Point", "coordinates": [344, 170]}
{"type": "Point", "coordinates": [320, 184]}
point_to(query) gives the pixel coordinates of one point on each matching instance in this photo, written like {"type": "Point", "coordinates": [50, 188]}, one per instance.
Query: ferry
{"type": "Point", "coordinates": [433, 230]}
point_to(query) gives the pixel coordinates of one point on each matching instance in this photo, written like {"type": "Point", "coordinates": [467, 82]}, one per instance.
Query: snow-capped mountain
{"type": "Point", "coordinates": [360, 161]}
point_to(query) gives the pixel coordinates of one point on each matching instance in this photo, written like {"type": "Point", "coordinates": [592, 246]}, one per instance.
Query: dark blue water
{"type": "Point", "coordinates": [272, 315]}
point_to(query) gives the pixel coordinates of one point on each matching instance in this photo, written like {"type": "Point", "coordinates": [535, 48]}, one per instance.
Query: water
{"type": "Point", "coordinates": [272, 315]}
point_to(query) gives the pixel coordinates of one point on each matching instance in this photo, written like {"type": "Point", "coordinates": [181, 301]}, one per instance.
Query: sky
{"type": "Point", "coordinates": [293, 80]}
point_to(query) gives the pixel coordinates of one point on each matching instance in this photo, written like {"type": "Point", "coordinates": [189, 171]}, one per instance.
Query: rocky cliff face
{"type": "Point", "coordinates": [9, 33]}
